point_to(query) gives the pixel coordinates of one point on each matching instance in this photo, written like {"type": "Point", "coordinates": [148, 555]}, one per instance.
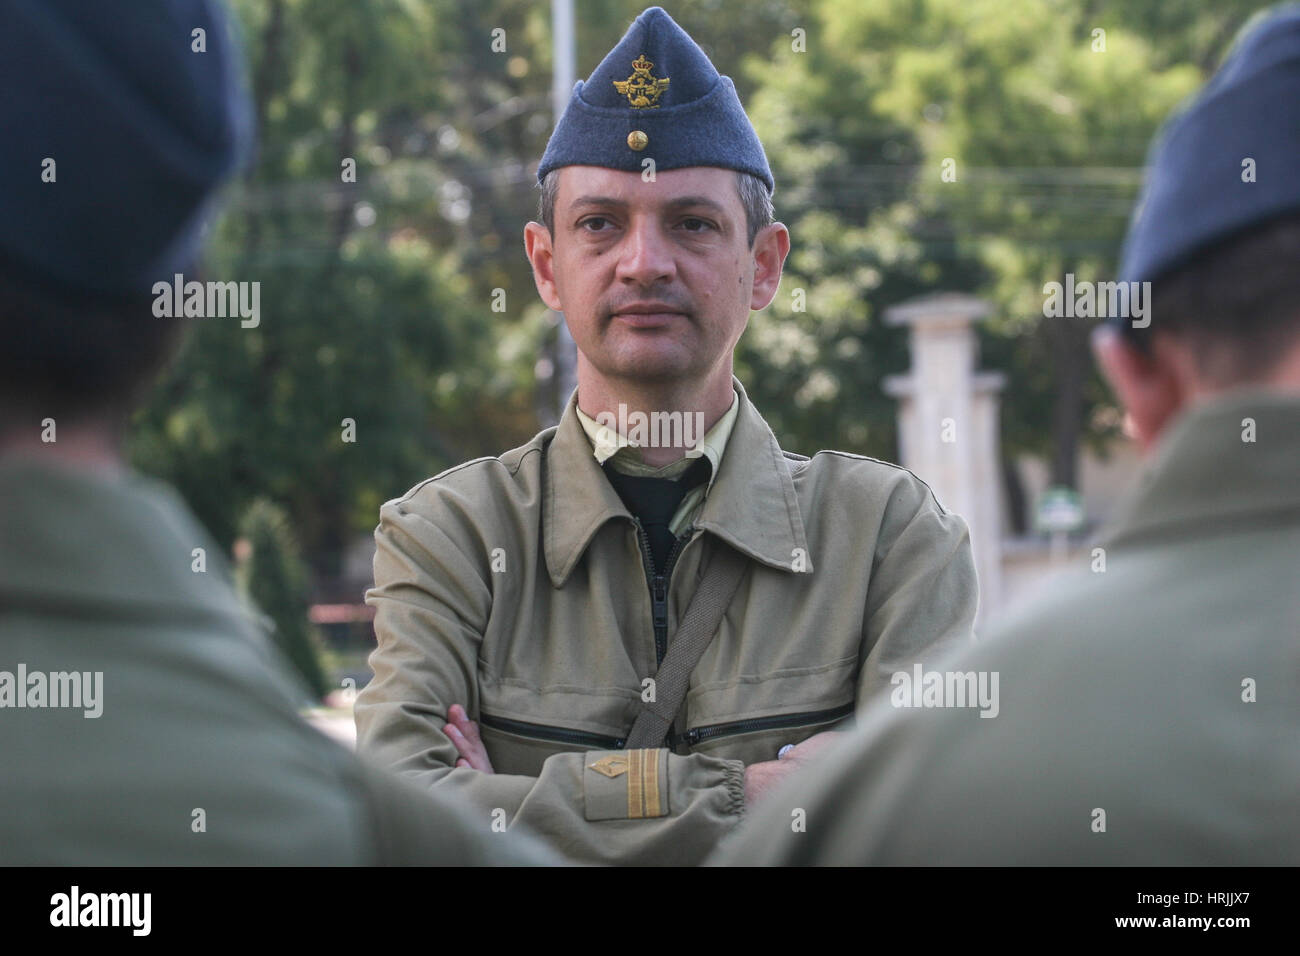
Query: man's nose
{"type": "Point", "coordinates": [646, 256]}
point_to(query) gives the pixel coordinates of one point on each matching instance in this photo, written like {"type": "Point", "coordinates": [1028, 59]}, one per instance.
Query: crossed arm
{"type": "Point", "coordinates": [432, 604]}
{"type": "Point", "coordinates": [760, 778]}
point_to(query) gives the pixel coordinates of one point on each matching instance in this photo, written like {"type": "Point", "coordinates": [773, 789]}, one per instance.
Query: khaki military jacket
{"type": "Point", "coordinates": [145, 720]}
{"type": "Point", "coordinates": [518, 587]}
{"type": "Point", "coordinates": [1150, 700]}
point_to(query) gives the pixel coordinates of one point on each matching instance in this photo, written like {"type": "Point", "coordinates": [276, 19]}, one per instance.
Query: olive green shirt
{"type": "Point", "coordinates": [1149, 702]}
{"type": "Point", "coordinates": [175, 739]}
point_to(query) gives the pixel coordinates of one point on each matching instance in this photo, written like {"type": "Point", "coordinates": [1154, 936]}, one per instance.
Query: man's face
{"type": "Point", "coordinates": [655, 279]}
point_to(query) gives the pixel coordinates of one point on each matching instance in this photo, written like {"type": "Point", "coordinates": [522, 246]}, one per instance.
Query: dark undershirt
{"type": "Point", "coordinates": [654, 501]}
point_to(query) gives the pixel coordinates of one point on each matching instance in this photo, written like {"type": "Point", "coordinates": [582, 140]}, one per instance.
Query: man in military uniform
{"type": "Point", "coordinates": [532, 609]}
{"type": "Point", "coordinates": [1150, 704]}
{"type": "Point", "coordinates": [144, 718]}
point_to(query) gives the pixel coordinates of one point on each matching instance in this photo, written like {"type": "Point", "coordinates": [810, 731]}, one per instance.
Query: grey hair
{"type": "Point", "coordinates": [753, 193]}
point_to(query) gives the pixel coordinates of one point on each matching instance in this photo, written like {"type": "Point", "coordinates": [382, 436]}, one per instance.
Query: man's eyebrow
{"type": "Point", "coordinates": [684, 201]}
{"type": "Point", "coordinates": [609, 202]}
{"type": "Point", "coordinates": [604, 201]}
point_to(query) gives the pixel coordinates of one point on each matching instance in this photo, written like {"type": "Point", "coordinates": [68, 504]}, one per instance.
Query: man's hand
{"type": "Point", "coordinates": [464, 734]}
{"type": "Point", "coordinates": [760, 778]}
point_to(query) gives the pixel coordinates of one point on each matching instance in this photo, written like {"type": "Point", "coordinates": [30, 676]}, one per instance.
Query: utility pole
{"type": "Point", "coordinates": [565, 364]}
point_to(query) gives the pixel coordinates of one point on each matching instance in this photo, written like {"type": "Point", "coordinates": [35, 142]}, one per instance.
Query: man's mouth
{"type": "Point", "coordinates": [648, 315]}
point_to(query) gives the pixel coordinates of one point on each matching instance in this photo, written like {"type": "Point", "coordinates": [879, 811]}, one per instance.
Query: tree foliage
{"type": "Point", "coordinates": [272, 576]}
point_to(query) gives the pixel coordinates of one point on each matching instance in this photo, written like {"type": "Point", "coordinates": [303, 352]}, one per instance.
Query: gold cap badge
{"type": "Point", "coordinates": [638, 140]}
{"type": "Point", "coordinates": [610, 766]}
{"type": "Point", "coordinates": [641, 88]}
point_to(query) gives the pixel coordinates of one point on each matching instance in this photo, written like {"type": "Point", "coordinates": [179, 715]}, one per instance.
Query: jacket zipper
{"type": "Point", "coordinates": [658, 584]}
{"type": "Point", "coordinates": [691, 737]}
{"type": "Point", "coordinates": [562, 735]}
{"type": "Point", "coordinates": [713, 731]}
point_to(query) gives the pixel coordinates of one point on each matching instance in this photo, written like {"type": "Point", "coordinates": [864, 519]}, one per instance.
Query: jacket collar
{"type": "Point", "coordinates": [751, 504]}
{"type": "Point", "coordinates": [1204, 475]}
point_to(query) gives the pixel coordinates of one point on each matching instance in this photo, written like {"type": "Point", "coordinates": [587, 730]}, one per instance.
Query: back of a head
{"type": "Point", "coordinates": [1217, 229]}
{"type": "Point", "coordinates": [120, 123]}
{"type": "Point", "coordinates": [146, 720]}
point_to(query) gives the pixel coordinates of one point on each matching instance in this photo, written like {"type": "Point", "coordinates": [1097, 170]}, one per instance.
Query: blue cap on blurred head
{"type": "Point", "coordinates": [655, 95]}
{"type": "Point", "coordinates": [141, 129]}
{"type": "Point", "coordinates": [1194, 194]}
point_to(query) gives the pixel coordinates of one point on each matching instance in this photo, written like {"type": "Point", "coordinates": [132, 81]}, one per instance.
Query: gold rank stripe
{"type": "Point", "coordinates": [652, 783]}
{"type": "Point", "coordinates": [635, 784]}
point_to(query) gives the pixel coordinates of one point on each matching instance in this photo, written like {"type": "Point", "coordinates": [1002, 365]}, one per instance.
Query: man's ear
{"type": "Point", "coordinates": [1151, 387]}
{"type": "Point", "coordinates": [771, 246]}
{"type": "Point", "coordinates": [538, 248]}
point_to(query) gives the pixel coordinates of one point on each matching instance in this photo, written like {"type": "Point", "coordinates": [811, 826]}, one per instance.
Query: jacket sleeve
{"type": "Point", "coordinates": [923, 593]}
{"type": "Point", "coordinates": [411, 828]}
{"type": "Point", "coordinates": [432, 604]}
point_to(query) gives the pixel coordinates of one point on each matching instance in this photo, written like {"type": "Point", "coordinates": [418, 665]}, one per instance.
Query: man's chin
{"type": "Point", "coordinates": [653, 368]}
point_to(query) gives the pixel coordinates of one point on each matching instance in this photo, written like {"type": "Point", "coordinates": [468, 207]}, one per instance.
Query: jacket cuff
{"type": "Point", "coordinates": [734, 781]}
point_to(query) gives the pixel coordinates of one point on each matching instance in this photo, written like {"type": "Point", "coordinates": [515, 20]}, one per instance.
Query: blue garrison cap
{"type": "Point", "coordinates": [140, 128]}
{"type": "Point", "coordinates": [655, 95]}
{"type": "Point", "coordinates": [1194, 194]}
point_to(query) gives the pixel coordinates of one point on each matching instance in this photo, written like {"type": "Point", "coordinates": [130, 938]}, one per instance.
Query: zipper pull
{"type": "Point", "coordinates": [692, 737]}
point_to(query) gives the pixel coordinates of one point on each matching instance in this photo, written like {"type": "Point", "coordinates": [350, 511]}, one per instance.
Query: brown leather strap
{"type": "Point", "coordinates": [693, 636]}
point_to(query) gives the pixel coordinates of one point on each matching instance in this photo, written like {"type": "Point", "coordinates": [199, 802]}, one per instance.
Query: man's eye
{"type": "Point", "coordinates": [599, 222]}
{"type": "Point", "coordinates": [696, 225]}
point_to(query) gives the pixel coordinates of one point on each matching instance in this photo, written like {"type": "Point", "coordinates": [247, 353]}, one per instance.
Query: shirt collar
{"type": "Point", "coordinates": [608, 444]}
{"type": "Point", "coordinates": [752, 504]}
{"type": "Point", "coordinates": [1203, 473]}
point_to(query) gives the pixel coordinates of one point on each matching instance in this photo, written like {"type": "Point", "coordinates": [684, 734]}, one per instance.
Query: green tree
{"type": "Point", "coordinates": [273, 578]}
{"type": "Point", "coordinates": [1046, 130]}
{"type": "Point", "coordinates": [369, 315]}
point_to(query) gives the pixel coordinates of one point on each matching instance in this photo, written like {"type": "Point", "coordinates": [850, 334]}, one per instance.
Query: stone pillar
{"type": "Point", "coordinates": [948, 424]}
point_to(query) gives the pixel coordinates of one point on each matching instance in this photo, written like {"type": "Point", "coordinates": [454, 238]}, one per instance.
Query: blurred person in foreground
{"type": "Point", "coordinates": [534, 610]}
{"type": "Point", "coordinates": [1149, 712]}
{"type": "Point", "coordinates": [144, 717]}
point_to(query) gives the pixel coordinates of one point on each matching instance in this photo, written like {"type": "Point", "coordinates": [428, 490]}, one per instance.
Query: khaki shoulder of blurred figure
{"type": "Point", "coordinates": [1142, 713]}
{"type": "Point", "coordinates": [153, 723]}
